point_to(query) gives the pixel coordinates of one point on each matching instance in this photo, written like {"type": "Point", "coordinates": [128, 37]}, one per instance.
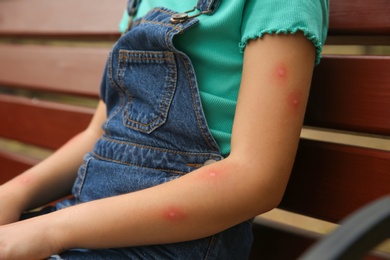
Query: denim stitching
{"type": "Point", "coordinates": [121, 95]}
{"type": "Point", "coordinates": [166, 92]}
{"type": "Point", "coordinates": [123, 88]}
{"type": "Point", "coordinates": [169, 87]}
{"type": "Point", "coordinates": [212, 2]}
{"type": "Point", "coordinates": [173, 28]}
{"type": "Point", "coordinates": [151, 53]}
{"type": "Point", "coordinates": [194, 165]}
{"type": "Point", "coordinates": [206, 138]}
{"type": "Point", "coordinates": [122, 92]}
{"type": "Point", "coordinates": [183, 58]}
{"type": "Point", "coordinates": [162, 149]}
{"type": "Point", "coordinates": [209, 5]}
{"type": "Point", "coordinates": [144, 21]}
{"type": "Point", "coordinates": [162, 10]}
{"type": "Point", "coordinates": [81, 178]}
{"type": "Point", "coordinates": [137, 165]}
{"type": "Point", "coordinates": [195, 106]}
{"type": "Point", "coordinates": [211, 244]}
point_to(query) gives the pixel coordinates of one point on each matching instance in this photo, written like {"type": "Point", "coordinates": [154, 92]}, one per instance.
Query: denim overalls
{"type": "Point", "coordinates": [155, 132]}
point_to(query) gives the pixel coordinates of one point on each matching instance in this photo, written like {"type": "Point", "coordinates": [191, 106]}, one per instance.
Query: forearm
{"type": "Point", "coordinates": [199, 204]}
{"type": "Point", "coordinates": [53, 177]}
{"type": "Point", "coordinates": [50, 179]}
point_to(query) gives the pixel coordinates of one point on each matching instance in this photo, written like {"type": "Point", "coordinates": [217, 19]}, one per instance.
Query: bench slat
{"type": "Point", "coordinates": [49, 124]}
{"type": "Point", "coordinates": [69, 70]}
{"type": "Point", "coordinates": [360, 17]}
{"type": "Point", "coordinates": [13, 164]}
{"type": "Point", "coordinates": [74, 18]}
{"type": "Point", "coordinates": [279, 241]}
{"type": "Point", "coordinates": [61, 18]}
{"type": "Point", "coordinates": [271, 239]}
{"type": "Point", "coordinates": [351, 93]}
{"type": "Point", "coordinates": [329, 181]}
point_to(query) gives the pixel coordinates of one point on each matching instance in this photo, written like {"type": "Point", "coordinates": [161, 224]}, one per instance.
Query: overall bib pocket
{"type": "Point", "coordinates": [148, 79]}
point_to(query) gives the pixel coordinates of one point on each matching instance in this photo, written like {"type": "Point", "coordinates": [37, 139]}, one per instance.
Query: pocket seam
{"type": "Point", "coordinates": [167, 93]}
{"type": "Point", "coordinates": [79, 183]}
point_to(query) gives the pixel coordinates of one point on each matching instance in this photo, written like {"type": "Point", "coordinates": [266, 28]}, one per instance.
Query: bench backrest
{"type": "Point", "coordinates": [50, 48]}
{"type": "Point", "coordinates": [58, 48]}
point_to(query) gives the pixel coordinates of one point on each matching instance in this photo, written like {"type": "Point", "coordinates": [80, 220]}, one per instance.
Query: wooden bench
{"type": "Point", "coordinates": [52, 54]}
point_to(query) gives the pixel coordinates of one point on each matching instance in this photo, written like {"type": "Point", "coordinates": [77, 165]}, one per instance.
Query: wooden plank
{"type": "Point", "coordinates": [351, 93]}
{"type": "Point", "coordinates": [86, 18]}
{"type": "Point", "coordinates": [13, 164]}
{"type": "Point", "coordinates": [61, 18]}
{"type": "Point", "coordinates": [329, 181]}
{"type": "Point", "coordinates": [272, 240]}
{"type": "Point", "coordinates": [41, 123]}
{"type": "Point", "coordinates": [70, 70]}
{"type": "Point", "coordinates": [358, 40]}
{"type": "Point", "coordinates": [361, 17]}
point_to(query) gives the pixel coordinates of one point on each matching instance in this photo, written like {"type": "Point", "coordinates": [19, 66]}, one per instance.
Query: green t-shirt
{"type": "Point", "coordinates": [216, 45]}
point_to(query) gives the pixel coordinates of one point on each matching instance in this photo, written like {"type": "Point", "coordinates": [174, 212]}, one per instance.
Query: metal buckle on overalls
{"type": "Point", "coordinates": [130, 23]}
{"type": "Point", "coordinates": [182, 17]}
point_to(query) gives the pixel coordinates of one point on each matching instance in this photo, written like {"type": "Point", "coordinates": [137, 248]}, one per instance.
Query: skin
{"type": "Point", "coordinates": [273, 94]}
{"type": "Point", "coordinates": [173, 214]}
{"type": "Point", "coordinates": [281, 74]}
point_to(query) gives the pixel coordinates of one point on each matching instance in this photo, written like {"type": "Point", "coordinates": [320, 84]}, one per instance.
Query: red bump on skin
{"type": "Point", "coordinates": [174, 214]}
{"type": "Point", "coordinates": [294, 100]}
{"type": "Point", "coordinates": [212, 174]}
{"type": "Point", "coordinates": [24, 180]}
{"type": "Point", "coordinates": [209, 174]}
{"type": "Point", "coordinates": [281, 72]}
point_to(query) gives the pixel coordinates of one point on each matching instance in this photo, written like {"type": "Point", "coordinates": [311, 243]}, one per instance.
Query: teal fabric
{"type": "Point", "coordinates": [217, 43]}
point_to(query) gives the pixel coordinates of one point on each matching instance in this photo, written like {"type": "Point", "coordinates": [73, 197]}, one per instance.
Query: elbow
{"type": "Point", "coordinates": [262, 187]}
{"type": "Point", "coordinates": [267, 202]}
{"type": "Point", "coordinates": [269, 193]}
{"type": "Point", "coordinates": [275, 201]}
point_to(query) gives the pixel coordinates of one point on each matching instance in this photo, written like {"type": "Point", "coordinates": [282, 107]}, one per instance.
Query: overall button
{"type": "Point", "coordinates": [183, 17]}
{"type": "Point", "coordinates": [179, 18]}
{"type": "Point", "coordinates": [208, 162]}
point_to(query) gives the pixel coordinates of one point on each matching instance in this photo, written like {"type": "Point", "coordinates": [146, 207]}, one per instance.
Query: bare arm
{"type": "Point", "coordinates": [252, 180]}
{"type": "Point", "coordinates": [276, 79]}
{"type": "Point", "coordinates": [52, 178]}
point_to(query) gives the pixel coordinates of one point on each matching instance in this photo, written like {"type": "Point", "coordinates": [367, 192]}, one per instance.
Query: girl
{"type": "Point", "coordinates": [195, 135]}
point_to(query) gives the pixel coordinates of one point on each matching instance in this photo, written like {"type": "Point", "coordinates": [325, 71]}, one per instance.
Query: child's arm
{"type": "Point", "coordinates": [52, 178]}
{"type": "Point", "coordinates": [276, 79]}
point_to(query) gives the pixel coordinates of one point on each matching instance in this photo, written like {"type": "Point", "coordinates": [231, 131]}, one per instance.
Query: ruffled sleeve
{"type": "Point", "coordinates": [275, 17]}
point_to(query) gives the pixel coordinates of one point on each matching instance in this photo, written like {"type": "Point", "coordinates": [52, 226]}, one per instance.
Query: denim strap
{"type": "Point", "coordinates": [132, 7]}
{"type": "Point", "coordinates": [209, 6]}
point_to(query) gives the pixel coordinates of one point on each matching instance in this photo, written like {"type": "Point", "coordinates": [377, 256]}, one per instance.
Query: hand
{"type": "Point", "coordinates": [29, 239]}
